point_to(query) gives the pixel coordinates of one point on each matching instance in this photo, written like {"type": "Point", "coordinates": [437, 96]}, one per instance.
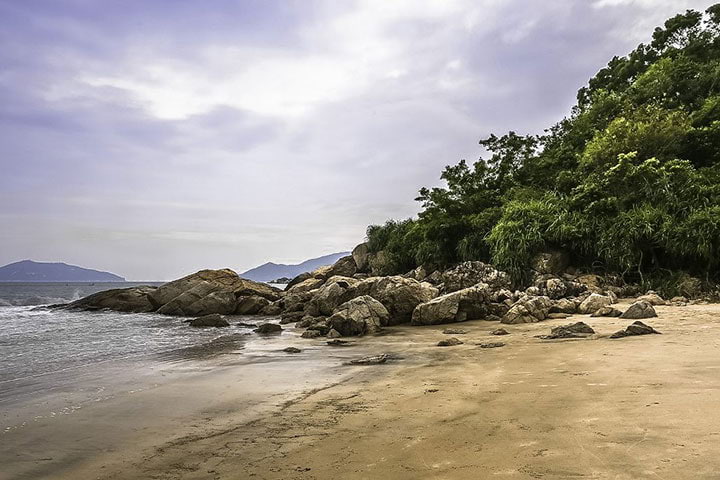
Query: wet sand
{"type": "Point", "coordinates": [637, 407]}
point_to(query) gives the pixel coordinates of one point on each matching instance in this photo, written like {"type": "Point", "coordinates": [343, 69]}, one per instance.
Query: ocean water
{"type": "Point", "coordinates": [37, 342]}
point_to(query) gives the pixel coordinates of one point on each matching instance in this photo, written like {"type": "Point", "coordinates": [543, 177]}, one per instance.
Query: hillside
{"type": "Point", "coordinates": [29, 271]}
{"type": "Point", "coordinates": [272, 271]}
{"type": "Point", "coordinates": [628, 183]}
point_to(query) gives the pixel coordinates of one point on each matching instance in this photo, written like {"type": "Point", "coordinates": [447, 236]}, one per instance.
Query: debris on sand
{"type": "Point", "coordinates": [636, 328]}
{"type": "Point", "coordinates": [450, 342]}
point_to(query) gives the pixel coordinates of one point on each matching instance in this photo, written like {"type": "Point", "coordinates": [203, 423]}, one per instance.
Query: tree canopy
{"type": "Point", "coordinates": [628, 182]}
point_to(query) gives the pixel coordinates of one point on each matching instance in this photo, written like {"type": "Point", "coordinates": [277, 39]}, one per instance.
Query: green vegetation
{"type": "Point", "coordinates": [628, 183]}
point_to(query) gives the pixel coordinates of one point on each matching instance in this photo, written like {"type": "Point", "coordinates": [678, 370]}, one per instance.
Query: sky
{"type": "Point", "coordinates": [156, 138]}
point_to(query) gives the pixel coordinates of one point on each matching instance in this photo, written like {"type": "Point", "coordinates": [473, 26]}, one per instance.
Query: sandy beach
{"type": "Point", "coordinates": [638, 407]}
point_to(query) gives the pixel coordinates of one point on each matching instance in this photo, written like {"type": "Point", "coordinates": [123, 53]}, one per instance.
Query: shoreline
{"type": "Point", "coordinates": [640, 407]}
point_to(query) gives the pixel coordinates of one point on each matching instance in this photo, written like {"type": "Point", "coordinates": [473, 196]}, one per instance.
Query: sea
{"type": "Point", "coordinates": [45, 350]}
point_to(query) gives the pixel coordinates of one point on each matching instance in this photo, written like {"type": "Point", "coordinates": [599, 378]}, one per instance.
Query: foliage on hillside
{"type": "Point", "coordinates": [629, 182]}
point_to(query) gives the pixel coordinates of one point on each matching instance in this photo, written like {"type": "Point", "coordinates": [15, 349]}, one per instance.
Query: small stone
{"type": "Point", "coordinates": [500, 331]}
{"type": "Point", "coordinates": [291, 350]}
{"type": "Point", "coordinates": [558, 315]}
{"type": "Point", "coordinates": [310, 334]}
{"type": "Point", "coordinates": [492, 345]}
{"type": "Point", "coordinates": [574, 330]}
{"type": "Point", "coordinates": [450, 342]}
{"type": "Point", "coordinates": [246, 325]}
{"type": "Point", "coordinates": [339, 343]}
{"type": "Point", "coordinates": [333, 334]}
{"type": "Point", "coordinates": [268, 328]}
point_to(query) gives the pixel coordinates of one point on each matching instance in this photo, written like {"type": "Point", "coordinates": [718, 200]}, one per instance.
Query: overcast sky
{"type": "Point", "coordinates": [155, 138]}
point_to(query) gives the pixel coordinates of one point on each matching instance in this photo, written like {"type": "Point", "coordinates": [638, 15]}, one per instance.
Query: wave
{"type": "Point", "coordinates": [34, 301]}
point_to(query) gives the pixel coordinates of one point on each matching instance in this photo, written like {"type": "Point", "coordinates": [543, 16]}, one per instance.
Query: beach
{"type": "Point", "coordinates": [637, 407]}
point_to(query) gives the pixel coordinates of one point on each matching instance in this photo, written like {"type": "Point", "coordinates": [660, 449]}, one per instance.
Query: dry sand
{"type": "Point", "coordinates": [631, 408]}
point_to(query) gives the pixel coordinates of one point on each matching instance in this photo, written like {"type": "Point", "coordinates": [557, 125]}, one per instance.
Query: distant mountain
{"type": "Point", "coordinates": [271, 271]}
{"type": "Point", "coordinates": [29, 271]}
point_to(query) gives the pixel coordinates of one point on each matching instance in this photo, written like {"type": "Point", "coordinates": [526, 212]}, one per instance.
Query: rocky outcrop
{"type": "Point", "coordinates": [466, 304]}
{"type": "Point", "coordinates": [212, 320]}
{"type": "Point", "coordinates": [639, 309]}
{"type": "Point", "coordinates": [359, 316]}
{"type": "Point", "coordinates": [344, 267]}
{"type": "Point", "coordinates": [399, 295]}
{"type": "Point", "coordinates": [251, 305]}
{"type": "Point", "coordinates": [594, 303]}
{"type": "Point", "coordinates": [129, 300]}
{"type": "Point", "coordinates": [305, 285]}
{"type": "Point", "coordinates": [327, 298]}
{"type": "Point", "coordinates": [528, 310]}
{"type": "Point", "coordinates": [200, 300]}
{"type": "Point", "coordinates": [379, 263]}
{"type": "Point", "coordinates": [468, 274]}
{"type": "Point", "coordinates": [361, 255]}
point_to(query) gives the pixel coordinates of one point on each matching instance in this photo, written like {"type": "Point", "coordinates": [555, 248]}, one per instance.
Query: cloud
{"type": "Point", "coordinates": [152, 141]}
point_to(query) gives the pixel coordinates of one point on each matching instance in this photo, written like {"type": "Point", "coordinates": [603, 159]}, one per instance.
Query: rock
{"type": "Point", "coordinates": [251, 305]}
{"type": "Point", "coordinates": [450, 342]}
{"type": "Point", "coordinates": [454, 331]}
{"type": "Point", "coordinates": [321, 326]}
{"type": "Point", "coordinates": [266, 328]}
{"type": "Point", "coordinates": [339, 343]}
{"type": "Point", "coordinates": [399, 295]}
{"type": "Point", "coordinates": [552, 262]}
{"type": "Point", "coordinates": [310, 334]}
{"type": "Point", "coordinates": [639, 309]}
{"type": "Point", "coordinates": [291, 350]}
{"type": "Point", "coordinates": [467, 304]}
{"type": "Point", "coordinates": [652, 298]}
{"type": "Point", "coordinates": [273, 309]}
{"type": "Point", "coordinates": [532, 291]}
{"type": "Point", "coordinates": [575, 330]}
{"type": "Point", "coordinates": [327, 298]}
{"type": "Point", "coordinates": [528, 310]}
{"type": "Point", "coordinates": [690, 287]}
{"type": "Point", "coordinates": [201, 300]}
{"type": "Point", "coordinates": [636, 328]}
{"type": "Point", "coordinates": [359, 316]}
{"type": "Point", "coordinates": [333, 333]}
{"type": "Point", "coordinates": [379, 263]}
{"type": "Point", "coordinates": [557, 316]}
{"type": "Point", "coordinates": [419, 274]}
{"type": "Point", "coordinates": [308, 321]}
{"type": "Point", "coordinates": [372, 360]}
{"type": "Point", "coordinates": [563, 305]}
{"type": "Point", "coordinates": [679, 300]}
{"type": "Point", "coordinates": [594, 303]}
{"type": "Point", "coordinates": [500, 331]}
{"type": "Point", "coordinates": [555, 288]}
{"type": "Point", "coordinates": [212, 320]}
{"type": "Point", "coordinates": [291, 317]}
{"type": "Point", "coordinates": [491, 345]}
{"type": "Point", "coordinates": [606, 312]}
{"type": "Point", "coordinates": [344, 267]}
{"type": "Point", "coordinates": [300, 278]}
{"type": "Point", "coordinates": [246, 325]}
{"type": "Point", "coordinates": [592, 282]}
{"type": "Point", "coordinates": [281, 281]}
{"type": "Point", "coordinates": [361, 255]}
{"type": "Point", "coordinates": [305, 285]}
{"type": "Point", "coordinates": [468, 274]}
{"type": "Point", "coordinates": [130, 300]}
{"type": "Point", "coordinates": [219, 280]}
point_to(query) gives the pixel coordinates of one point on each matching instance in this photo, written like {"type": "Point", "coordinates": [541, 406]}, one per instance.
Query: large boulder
{"type": "Point", "coordinates": [594, 303]}
{"type": "Point", "coordinates": [467, 274]}
{"type": "Point", "coordinates": [191, 303]}
{"type": "Point", "coordinates": [251, 305]}
{"type": "Point", "coordinates": [528, 310]}
{"type": "Point", "coordinates": [305, 285]}
{"type": "Point", "coordinates": [639, 309]}
{"type": "Point", "coordinates": [344, 267]}
{"type": "Point", "coordinates": [379, 262]}
{"type": "Point", "coordinates": [552, 262]}
{"type": "Point", "coordinates": [361, 255]}
{"type": "Point", "coordinates": [130, 300]}
{"type": "Point", "coordinates": [359, 316]}
{"type": "Point", "coordinates": [466, 304]}
{"type": "Point", "coordinates": [328, 297]}
{"type": "Point", "coordinates": [399, 295]}
{"type": "Point", "coordinates": [564, 305]}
